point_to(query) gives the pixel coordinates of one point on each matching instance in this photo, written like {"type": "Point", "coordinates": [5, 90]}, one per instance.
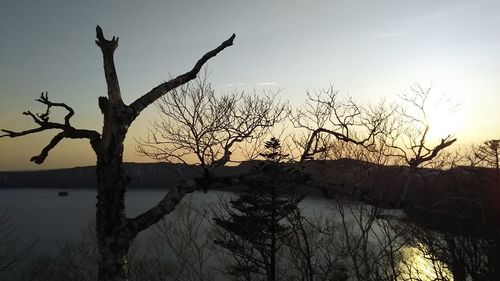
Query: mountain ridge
{"type": "Point", "coordinates": [349, 177]}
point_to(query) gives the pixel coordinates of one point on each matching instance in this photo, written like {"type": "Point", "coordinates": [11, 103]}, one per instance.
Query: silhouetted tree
{"type": "Point", "coordinates": [488, 153]}
{"type": "Point", "coordinates": [181, 247]}
{"type": "Point", "coordinates": [314, 248]}
{"type": "Point", "coordinates": [468, 254]}
{"type": "Point", "coordinates": [198, 124]}
{"type": "Point", "coordinates": [273, 151]}
{"type": "Point", "coordinates": [256, 220]}
{"type": "Point", "coordinates": [114, 230]}
{"type": "Point", "coordinates": [325, 116]}
{"type": "Point", "coordinates": [408, 137]}
{"type": "Point", "coordinates": [399, 131]}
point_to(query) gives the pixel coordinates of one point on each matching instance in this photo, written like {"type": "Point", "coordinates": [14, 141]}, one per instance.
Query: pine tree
{"type": "Point", "coordinates": [273, 151]}
{"type": "Point", "coordinates": [255, 226]}
{"type": "Point", "coordinates": [489, 152]}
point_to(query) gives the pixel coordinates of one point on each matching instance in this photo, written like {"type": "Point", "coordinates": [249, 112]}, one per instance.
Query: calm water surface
{"type": "Point", "coordinates": [41, 214]}
{"type": "Point", "coordinates": [53, 220]}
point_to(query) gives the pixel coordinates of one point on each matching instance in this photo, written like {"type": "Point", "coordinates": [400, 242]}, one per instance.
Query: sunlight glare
{"type": "Point", "coordinates": [445, 114]}
{"type": "Point", "coordinates": [417, 267]}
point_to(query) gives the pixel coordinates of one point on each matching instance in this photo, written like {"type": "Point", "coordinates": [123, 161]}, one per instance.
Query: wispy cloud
{"type": "Point", "coordinates": [265, 84]}
{"type": "Point", "coordinates": [233, 85]}
{"type": "Point", "coordinates": [388, 35]}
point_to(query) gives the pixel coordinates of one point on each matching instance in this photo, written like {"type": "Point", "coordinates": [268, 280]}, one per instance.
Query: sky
{"type": "Point", "coordinates": [368, 50]}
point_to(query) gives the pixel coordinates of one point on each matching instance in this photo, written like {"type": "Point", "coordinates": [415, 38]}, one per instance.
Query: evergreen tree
{"type": "Point", "coordinates": [255, 226]}
{"type": "Point", "coordinates": [489, 153]}
{"type": "Point", "coordinates": [273, 151]}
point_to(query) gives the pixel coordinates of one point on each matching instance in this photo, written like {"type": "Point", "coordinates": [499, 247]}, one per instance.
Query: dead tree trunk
{"type": "Point", "coordinates": [114, 230]}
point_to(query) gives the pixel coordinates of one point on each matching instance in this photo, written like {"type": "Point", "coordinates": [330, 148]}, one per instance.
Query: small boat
{"type": "Point", "coordinates": [62, 193]}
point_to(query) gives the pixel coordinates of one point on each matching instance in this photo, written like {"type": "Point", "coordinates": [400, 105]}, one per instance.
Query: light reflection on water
{"type": "Point", "coordinates": [418, 266]}
{"type": "Point", "coordinates": [41, 214]}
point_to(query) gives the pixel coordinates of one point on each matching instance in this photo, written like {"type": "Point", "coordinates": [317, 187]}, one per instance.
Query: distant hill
{"type": "Point", "coordinates": [158, 175]}
{"type": "Point", "coordinates": [147, 175]}
{"type": "Point", "coordinates": [142, 175]}
{"type": "Point", "coordinates": [362, 180]}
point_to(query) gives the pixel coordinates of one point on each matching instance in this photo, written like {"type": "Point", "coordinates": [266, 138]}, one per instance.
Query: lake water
{"type": "Point", "coordinates": [40, 214]}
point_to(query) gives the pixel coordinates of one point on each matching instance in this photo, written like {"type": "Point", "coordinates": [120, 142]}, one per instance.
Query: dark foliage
{"type": "Point", "coordinates": [255, 223]}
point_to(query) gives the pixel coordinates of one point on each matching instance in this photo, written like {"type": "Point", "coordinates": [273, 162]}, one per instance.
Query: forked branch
{"type": "Point", "coordinates": [44, 98]}
{"type": "Point", "coordinates": [431, 153]}
{"type": "Point", "coordinates": [198, 124]}
{"type": "Point", "coordinates": [409, 141]}
{"type": "Point", "coordinates": [42, 119]}
{"type": "Point", "coordinates": [324, 114]}
{"type": "Point", "coordinates": [108, 48]}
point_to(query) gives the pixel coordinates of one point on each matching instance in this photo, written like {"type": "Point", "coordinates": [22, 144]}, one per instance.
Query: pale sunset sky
{"type": "Point", "coordinates": [366, 49]}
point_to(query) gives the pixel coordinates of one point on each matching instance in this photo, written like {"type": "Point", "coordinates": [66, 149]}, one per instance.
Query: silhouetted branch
{"type": "Point", "coordinates": [409, 139]}
{"type": "Point", "coordinates": [42, 119]}
{"type": "Point", "coordinates": [488, 153]}
{"type": "Point", "coordinates": [310, 151]}
{"type": "Point", "coordinates": [175, 194]}
{"type": "Point", "coordinates": [198, 123]}
{"type": "Point", "coordinates": [12, 134]}
{"type": "Point", "coordinates": [431, 153]}
{"type": "Point", "coordinates": [164, 207]}
{"type": "Point", "coordinates": [108, 47]}
{"type": "Point", "coordinates": [150, 97]}
{"type": "Point", "coordinates": [345, 120]}
{"type": "Point", "coordinates": [45, 151]}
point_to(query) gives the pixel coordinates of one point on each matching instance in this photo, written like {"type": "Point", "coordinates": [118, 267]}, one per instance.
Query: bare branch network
{"type": "Point", "coordinates": [134, 109]}
{"type": "Point", "coordinates": [409, 140]}
{"type": "Point", "coordinates": [325, 116]}
{"type": "Point", "coordinates": [197, 123]}
{"type": "Point", "coordinates": [42, 120]}
{"type": "Point", "coordinates": [114, 230]}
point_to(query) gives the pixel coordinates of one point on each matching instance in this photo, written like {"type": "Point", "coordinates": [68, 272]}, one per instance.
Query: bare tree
{"type": "Point", "coordinates": [11, 253]}
{"type": "Point", "coordinates": [314, 249]}
{"type": "Point", "coordinates": [181, 246]}
{"type": "Point", "coordinates": [325, 116]}
{"type": "Point", "coordinates": [407, 136]}
{"type": "Point", "coordinates": [114, 230]}
{"type": "Point", "coordinates": [372, 242]}
{"type": "Point", "coordinates": [199, 126]}
{"type": "Point", "coordinates": [466, 254]}
{"type": "Point", "coordinates": [395, 131]}
{"type": "Point", "coordinates": [408, 139]}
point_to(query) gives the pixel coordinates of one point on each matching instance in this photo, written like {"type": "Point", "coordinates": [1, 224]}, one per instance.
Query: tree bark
{"type": "Point", "coordinates": [114, 230]}
{"type": "Point", "coordinates": [112, 237]}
